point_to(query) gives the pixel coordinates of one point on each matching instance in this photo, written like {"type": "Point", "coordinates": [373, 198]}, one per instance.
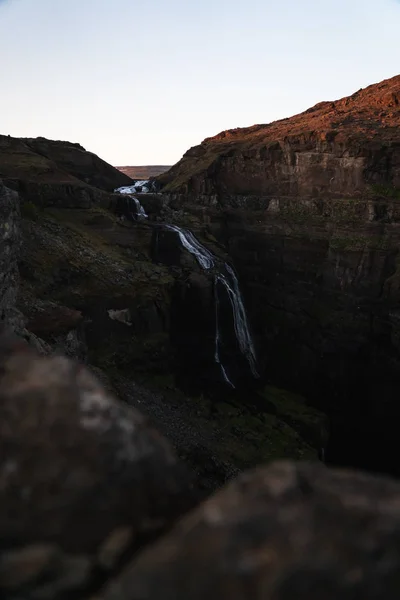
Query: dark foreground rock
{"type": "Point", "coordinates": [287, 532]}
{"type": "Point", "coordinates": [84, 479]}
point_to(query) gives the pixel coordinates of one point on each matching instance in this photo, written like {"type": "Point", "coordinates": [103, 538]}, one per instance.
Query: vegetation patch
{"type": "Point", "coordinates": [386, 191]}
{"type": "Point", "coordinates": [358, 242]}
{"type": "Point", "coordinates": [29, 210]}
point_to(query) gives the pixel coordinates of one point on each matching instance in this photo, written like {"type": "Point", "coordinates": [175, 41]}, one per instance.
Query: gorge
{"type": "Point", "coordinates": [303, 213]}
{"type": "Point", "coordinates": [200, 347]}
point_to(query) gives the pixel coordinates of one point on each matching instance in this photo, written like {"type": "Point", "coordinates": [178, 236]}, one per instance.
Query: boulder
{"type": "Point", "coordinates": [291, 531]}
{"type": "Point", "coordinates": [84, 478]}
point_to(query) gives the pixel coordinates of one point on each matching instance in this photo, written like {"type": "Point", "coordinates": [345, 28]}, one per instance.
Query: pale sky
{"type": "Point", "coordinates": [140, 81]}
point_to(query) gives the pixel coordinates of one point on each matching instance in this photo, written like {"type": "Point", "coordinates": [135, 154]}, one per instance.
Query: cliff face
{"type": "Point", "coordinates": [309, 210]}
{"type": "Point", "coordinates": [333, 148]}
{"type": "Point", "coordinates": [10, 243]}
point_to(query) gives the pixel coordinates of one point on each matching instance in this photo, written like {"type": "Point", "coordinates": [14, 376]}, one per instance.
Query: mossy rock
{"type": "Point", "coordinates": [310, 423]}
{"type": "Point", "coordinates": [251, 438]}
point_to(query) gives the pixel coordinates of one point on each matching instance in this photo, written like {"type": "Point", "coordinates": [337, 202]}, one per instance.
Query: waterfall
{"type": "Point", "coordinates": [140, 212]}
{"type": "Point", "coordinates": [229, 280]}
{"type": "Point", "coordinates": [188, 241]}
{"type": "Point", "coordinates": [139, 186]}
{"type": "Point", "coordinates": [217, 344]}
{"type": "Point", "coordinates": [129, 192]}
{"type": "Point", "coordinates": [242, 330]}
{"type": "Point", "coordinates": [136, 212]}
{"type": "Point", "coordinates": [224, 275]}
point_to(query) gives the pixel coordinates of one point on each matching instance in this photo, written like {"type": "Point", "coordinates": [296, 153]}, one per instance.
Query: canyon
{"type": "Point", "coordinates": [305, 210]}
{"type": "Point", "coordinates": [91, 282]}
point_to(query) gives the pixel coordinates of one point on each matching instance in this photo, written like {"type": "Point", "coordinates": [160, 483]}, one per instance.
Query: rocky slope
{"type": "Point", "coordinates": [309, 210]}
{"type": "Point", "coordinates": [50, 172]}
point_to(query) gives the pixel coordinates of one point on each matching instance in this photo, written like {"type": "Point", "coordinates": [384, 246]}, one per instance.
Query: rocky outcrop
{"type": "Point", "coordinates": [308, 209]}
{"type": "Point", "coordinates": [286, 532]}
{"type": "Point", "coordinates": [10, 232]}
{"type": "Point", "coordinates": [84, 479]}
{"type": "Point", "coordinates": [10, 248]}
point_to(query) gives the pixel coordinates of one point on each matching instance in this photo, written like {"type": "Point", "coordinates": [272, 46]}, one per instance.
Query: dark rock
{"type": "Point", "coordinates": [77, 465]}
{"type": "Point", "coordinates": [10, 240]}
{"type": "Point", "coordinates": [53, 173]}
{"type": "Point", "coordinates": [43, 572]}
{"type": "Point", "coordinates": [10, 248]}
{"type": "Point", "coordinates": [152, 203]}
{"type": "Point", "coordinates": [286, 532]}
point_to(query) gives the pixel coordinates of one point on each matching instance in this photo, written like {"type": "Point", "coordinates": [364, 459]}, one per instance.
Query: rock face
{"type": "Point", "coordinates": [10, 248]}
{"type": "Point", "coordinates": [308, 209]}
{"type": "Point", "coordinates": [83, 477]}
{"type": "Point", "coordinates": [286, 532]}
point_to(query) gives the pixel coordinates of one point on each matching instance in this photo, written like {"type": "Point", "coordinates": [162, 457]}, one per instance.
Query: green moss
{"type": "Point", "coordinates": [386, 191]}
{"type": "Point", "coordinates": [299, 213]}
{"type": "Point", "coordinates": [246, 436]}
{"type": "Point", "coordinates": [293, 409]}
{"type": "Point", "coordinates": [346, 211]}
{"type": "Point", "coordinates": [188, 168]}
{"type": "Point", "coordinates": [350, 242]}
{"type": "Point", "coordinates": [29, 210]}
{"type": "Point", "coordinates": [250, 438]}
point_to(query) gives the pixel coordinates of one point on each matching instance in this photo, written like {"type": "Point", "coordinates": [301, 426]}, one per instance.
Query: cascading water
{"type": "Point", "coordinates": [128, 193]}
{"type": "Point", "coordinates": [217, 356]}
{"type": "Point", "coordinates": [141, 213]}
{"type": "Point", "coordinates": [242, 331]}
{"type": "Point", "coordinates": [224, 275]}
{"type": "Point", "coordinates": [188, 241]}
{"type": "Point", "coordinates": [139, 186]}
{"type": "Point", "coordinates": [228, 279]}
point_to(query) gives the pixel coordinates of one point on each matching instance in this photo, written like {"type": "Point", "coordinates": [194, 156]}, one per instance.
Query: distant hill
{"type": "Point", "coordinates": [144, 172]}
{"type": "Point", "coordinates": [50, 172]}
{"type": "Point", "coordinates": [56, 162]}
